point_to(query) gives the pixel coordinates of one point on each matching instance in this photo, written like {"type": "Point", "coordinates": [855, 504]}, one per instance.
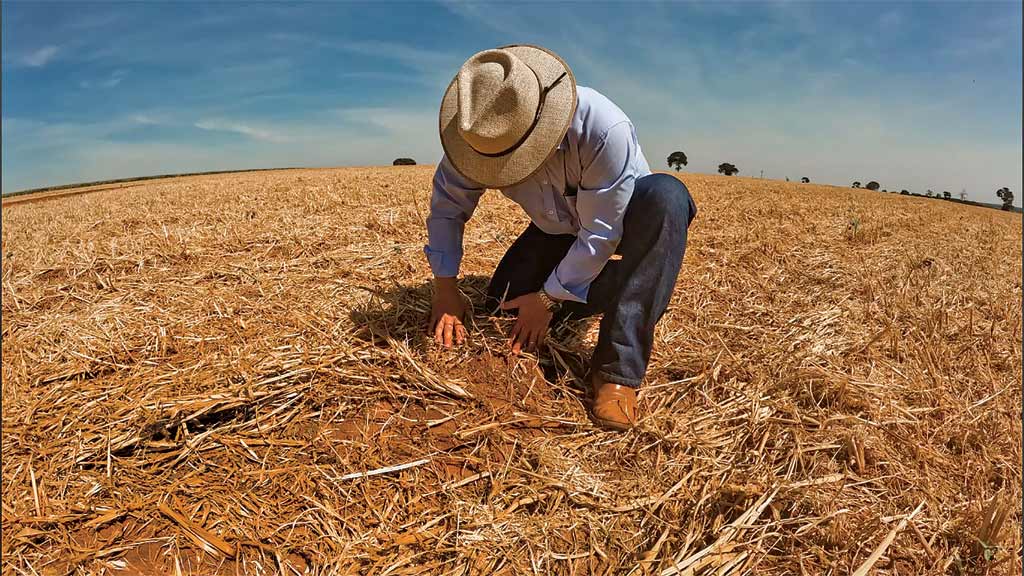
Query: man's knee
{"type": "Point", "coordinates": [663, 194]}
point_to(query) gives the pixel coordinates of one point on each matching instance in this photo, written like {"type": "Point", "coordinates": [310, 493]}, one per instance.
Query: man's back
{"type": "Point", "coordinates": [582, 188]}
{"type": "Point", "coordinates": [548, 195]}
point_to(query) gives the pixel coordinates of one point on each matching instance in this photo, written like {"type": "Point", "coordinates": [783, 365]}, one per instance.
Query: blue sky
{"type": "Point", "coordinates": [914, 95]}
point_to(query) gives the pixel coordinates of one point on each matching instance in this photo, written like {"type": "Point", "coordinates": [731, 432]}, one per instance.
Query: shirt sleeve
{"type": "Point", "coordinates": [606, 184]}
{"type": "Point", "coordinates": [452, 202]}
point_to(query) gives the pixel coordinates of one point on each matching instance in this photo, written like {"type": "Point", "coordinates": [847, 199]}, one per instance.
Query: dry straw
{"type": "Point", "coordinates": [228, 374]}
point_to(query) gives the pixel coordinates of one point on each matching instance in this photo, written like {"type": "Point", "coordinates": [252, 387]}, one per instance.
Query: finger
{"type": "Point", "coordinates": [526, 339]}
{"type": "Point", "coordinates": [541, 334]}
{"type": "Point", "coordinates": [534, 340]}
{"type": "Point", "coordinates": [439, 331]}
{"type": "Point", "coordinates": [460, 334]}
{"type": "Point", "coordinates": [449, 327]}
{"type": "Point", "coordinates": [516, 341]}
{"type": "Point", "coordinates": [515, 332]}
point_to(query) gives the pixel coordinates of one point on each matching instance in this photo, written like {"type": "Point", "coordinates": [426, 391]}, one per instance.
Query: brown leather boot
{"type": "Point", "coordinates": [613, 406]}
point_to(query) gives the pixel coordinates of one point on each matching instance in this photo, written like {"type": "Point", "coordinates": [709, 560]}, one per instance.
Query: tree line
{"type": "Point", "coordinates": [678, 159]}
{"type": "Point", "coordinates": [1004, 194]}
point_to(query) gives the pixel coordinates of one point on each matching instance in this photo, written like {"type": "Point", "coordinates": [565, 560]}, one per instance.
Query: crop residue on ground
{"type": "Point", "coordinates": [211, 374]}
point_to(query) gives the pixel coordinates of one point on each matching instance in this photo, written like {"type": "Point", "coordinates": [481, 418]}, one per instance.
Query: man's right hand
{"type": "Point", "coordinates": [446, 313]}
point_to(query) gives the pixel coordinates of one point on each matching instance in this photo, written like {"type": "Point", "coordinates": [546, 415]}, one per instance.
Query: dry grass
{"type": "Point", "coordinates": [228, 374]}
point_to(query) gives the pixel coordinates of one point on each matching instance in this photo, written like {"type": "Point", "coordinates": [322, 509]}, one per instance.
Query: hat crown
{"type": "Point", "coordinates": [498, 97]}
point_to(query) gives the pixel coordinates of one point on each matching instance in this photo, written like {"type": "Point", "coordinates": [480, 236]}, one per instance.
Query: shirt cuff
{"type": "Point", "coordinates": [442, 265]}
{"type": "Point", "coordinates": [555, 289]}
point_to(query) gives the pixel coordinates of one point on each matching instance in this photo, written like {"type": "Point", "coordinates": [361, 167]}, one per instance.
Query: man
{"type": "Point", "coordinates": [513, 119]}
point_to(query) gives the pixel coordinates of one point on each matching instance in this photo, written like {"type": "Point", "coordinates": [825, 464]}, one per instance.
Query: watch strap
{"type": "Point", "coordinates": [550, 303]}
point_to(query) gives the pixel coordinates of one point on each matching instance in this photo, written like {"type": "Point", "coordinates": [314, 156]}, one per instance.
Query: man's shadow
{"type": "Point", "coordinates": [401, 312]}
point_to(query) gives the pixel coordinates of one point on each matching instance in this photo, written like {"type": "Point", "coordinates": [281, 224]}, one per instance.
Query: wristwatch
{"type": "Point", "coordinates": [550, 303]}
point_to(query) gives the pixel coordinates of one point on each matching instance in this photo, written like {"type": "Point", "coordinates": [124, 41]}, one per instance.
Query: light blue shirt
{"type": "Point", "coordinates": [599, 155]}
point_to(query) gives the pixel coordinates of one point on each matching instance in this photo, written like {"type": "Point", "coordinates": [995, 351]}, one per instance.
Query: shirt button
{"type": "Point", "coordinates": [551, 212]}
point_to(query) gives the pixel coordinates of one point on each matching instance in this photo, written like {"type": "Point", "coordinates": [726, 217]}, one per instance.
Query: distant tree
{"type": "Point", "coordinates": [728, 169]}
{"type": "Point", "coordinates": [856, 184]}
{"type": "Point", "coordinates": [872, 185]}
{"type": "Point", "coordinates": [905, 192]}
{"type": "Point", "coordinates": [403, 162]}
{"type": "Point", "coordinates": [676, 160]}
{"type": "Point", "coordinates": [884, 190]}
{"type": "Point", "coordinates": [1006, 196]}
{"type": "Point", "coordinates": [946, 195]}
{"type": "Point", "coordinates": [929, 193]}
{"type": "Point", "coordinates": [787, 178]}
{"type": "Point", "coordinates": [805, 180]}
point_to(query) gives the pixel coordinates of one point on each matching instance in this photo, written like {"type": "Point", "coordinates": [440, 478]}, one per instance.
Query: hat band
{"type": "Point", "coordinates": [536, 119]}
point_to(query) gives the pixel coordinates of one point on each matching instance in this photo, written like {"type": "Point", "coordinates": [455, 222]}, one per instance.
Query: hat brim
{"type": "Point", "coordinates": [519, 164]}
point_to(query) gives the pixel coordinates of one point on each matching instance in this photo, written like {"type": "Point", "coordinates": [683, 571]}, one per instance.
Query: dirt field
{"type": "Point", "coordinates": [228, 374]}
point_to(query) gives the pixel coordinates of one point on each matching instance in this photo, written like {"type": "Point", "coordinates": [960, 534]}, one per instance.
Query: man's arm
{"type": "Point", "coordinates": [452, 202]}
{"type": "Point", "coordinates": [606, 185]}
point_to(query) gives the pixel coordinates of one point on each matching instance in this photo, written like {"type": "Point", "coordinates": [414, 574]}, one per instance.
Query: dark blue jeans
{"type": "Point", "coordinates": [631, 293]}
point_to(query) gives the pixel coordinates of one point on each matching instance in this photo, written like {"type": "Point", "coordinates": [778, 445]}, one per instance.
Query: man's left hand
{"type": "Point", "coordinates": [532, 324]}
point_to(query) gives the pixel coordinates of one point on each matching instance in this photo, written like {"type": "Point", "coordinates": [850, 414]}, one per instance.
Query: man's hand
{"type": "Point", "coordinates": [446, 313]}
{"type": "Point", "coordinates": [532, 324]}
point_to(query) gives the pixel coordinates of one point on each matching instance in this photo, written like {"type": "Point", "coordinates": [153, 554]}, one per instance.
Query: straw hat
{"type": "Point", "coordinates": [505, 112]}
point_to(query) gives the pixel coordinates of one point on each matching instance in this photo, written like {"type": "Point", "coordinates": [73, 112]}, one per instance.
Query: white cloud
{"type": "Point", "coordinates": [255, 133]}
{"type": "Point", "coordinates": [396, 121]}
{"type": "Point", "coordinates": [431, 67]}
{"type": "Point", "coordinates": [144, 119]}
{"type": "Point", "coordinates": [40, 57]}
{"type": "Point", "coordinates": [890, 20]}
{"type": "Point", "coordinates": [44, 154]}
{"type": "Point", "coordinates": [25, 135]}
{"type": "Point", "coordinates": [976, 46]}
{"type": "Point", "coordinates": [109, 82]}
